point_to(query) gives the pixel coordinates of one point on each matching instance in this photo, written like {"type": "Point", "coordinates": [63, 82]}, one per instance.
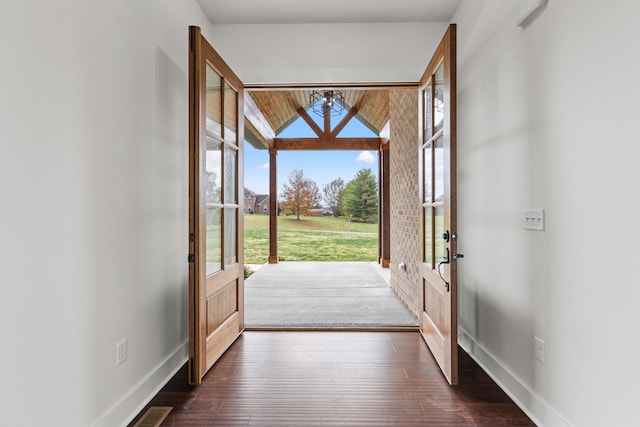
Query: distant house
{"type": "Point", "coordinates": [255, 203]}
{"type": "Point", "coordinates": [321, 212]}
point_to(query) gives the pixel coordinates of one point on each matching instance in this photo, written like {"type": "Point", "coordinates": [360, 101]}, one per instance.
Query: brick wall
{"type": "Point", "coordinates": [403, 164]}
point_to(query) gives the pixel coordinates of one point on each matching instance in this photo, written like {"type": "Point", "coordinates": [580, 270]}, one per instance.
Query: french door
{"type": "Point", "coordinates": [439, 324]}
{"type": "Point", "coordinates": [216, 273]}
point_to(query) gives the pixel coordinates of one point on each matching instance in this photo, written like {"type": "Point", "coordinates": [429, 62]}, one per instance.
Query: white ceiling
{"type": "Point", "coordinates": [327, 11]}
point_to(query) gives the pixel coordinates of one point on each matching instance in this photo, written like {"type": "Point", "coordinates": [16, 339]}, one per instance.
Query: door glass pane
{"type": "Point", "coordinates": [428, 174]}
{"type": "Point", "coordinates": [230, 236]}
{"type": "Point", "coordinates": [214, 102]}
{"type": "Point", "coordinates": [428, 112]}
{"type": "Point", "coordinates": [438, 169]}
{"type": "Point", "coordinates": [428, 236]}
{"type": "Point", "coordinates": [213, 175]}
{"type": "Point", "coordinates": [230, 114]}
{"type": "Point", "coordinates": [438, 105]}
{"type": "Point", "coordinates": [214, 239]}
{"type": "Point", "coordinates": [438, 232]}
{"type": "Point", "coordinates": [230, 161]}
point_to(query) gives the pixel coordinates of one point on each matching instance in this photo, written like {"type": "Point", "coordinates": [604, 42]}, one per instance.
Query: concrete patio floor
{"type": "Point", "coordinates": [323, 295]}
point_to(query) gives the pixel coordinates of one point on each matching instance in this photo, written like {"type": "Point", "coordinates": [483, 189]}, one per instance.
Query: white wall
{"type": "Point", "coordinates": [548, 119]}
{"type": "Point", "coordinates": [328, 53]}
{"type": "Point", "coordinates": [93, 223]}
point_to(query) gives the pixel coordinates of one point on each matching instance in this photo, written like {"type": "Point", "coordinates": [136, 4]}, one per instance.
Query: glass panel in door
{"type": "Point", "coordinates": [438, 104]}
{"type": "Point", "coordinates": [438, 170]}
{"type": "Point", "coordinates": [230, 174]}
{"type": "Point", "coordinates": [230, 114]}
{"type": "Point", "coordinates": [428, 174]}
{"type": "Point", "coordinates": [214, 240]}
{"type": "Point", "coordinates": [428, 112]}
{"type": "Point", "coordinates": [428, 236]}
{"type": "Point", "coordinates": [230, 236]}
{"type": "Point", "coordinates": [439, 243]}
{"type": "Point", "coordinates": [213, 163]}
{"type": "Point", "coordinates": [214, 102]}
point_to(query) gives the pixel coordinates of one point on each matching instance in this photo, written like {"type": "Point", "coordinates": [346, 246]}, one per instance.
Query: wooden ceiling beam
{"type": "Point", "coordinates": [258, 123]}
{"type": "Point", "coordinates": [312, 124]}
{"type": "Point", "coordinates": [337, 144]}
{"type": "Point", "coordinates": [352, 112]}
{"type": "Point", "coordinates": [327, 122]}
{"type": "Point", "coordinates": [253, 137]}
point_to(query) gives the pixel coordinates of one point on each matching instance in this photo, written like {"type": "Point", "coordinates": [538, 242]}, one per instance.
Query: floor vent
{"type": "Point", "coordinates": [154, 416]}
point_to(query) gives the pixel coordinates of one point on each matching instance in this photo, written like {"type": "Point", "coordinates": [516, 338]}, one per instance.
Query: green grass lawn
{"type": "Point", "coordinates": [310, 239]}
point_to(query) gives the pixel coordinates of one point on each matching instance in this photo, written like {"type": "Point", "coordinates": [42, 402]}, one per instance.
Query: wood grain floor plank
{"type": "Point", "coordinates": [336, 379]}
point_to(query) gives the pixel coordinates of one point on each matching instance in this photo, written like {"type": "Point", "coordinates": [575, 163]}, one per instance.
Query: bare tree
{"type": "Point", "coordinates": [333, 195]}
{"type": "Point", "coordinates": [299, 194]}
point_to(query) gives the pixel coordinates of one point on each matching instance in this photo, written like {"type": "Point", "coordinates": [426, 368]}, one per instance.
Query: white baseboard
{"type": "Point", "coordinates": [130, 405]}
{"type": "Point", "coordinates": [536, 408]}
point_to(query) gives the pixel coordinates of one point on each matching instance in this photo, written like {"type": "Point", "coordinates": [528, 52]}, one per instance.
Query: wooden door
{"type": "Point", "coordinates": [216, 273]}
{"type": "Point", "coordinates": [439, 325]}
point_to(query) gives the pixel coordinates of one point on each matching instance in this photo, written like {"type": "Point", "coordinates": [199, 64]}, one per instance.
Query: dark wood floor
{"type": "Point", "coordinates": [334, 379]}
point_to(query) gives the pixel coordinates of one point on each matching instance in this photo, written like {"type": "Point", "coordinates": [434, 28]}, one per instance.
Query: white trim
{"type": "Point", "coordinates": [130, 405]}
{"type": "Point", "coordinates": [539, 410]}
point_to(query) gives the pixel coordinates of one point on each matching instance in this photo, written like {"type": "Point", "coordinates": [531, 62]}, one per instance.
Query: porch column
{"type": "Point", "coordinates": [273, 206]}
{"type": "Point", "coordinates": [384, 220]}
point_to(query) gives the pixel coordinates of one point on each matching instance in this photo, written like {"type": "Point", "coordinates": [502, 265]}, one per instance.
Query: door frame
{"type": "Point", "coordinates": [445, 52]}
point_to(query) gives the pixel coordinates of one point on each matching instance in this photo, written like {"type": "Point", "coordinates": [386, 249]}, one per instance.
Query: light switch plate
{"type": "Point", "coordinates": [533, 219]}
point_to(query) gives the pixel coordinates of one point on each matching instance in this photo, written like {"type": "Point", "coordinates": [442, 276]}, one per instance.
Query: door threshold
{"type": "Point", "coordinates": [331, 328]}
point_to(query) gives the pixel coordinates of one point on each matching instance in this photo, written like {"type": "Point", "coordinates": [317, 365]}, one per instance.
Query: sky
{"type": "Point", "coordinates": [320, 166]}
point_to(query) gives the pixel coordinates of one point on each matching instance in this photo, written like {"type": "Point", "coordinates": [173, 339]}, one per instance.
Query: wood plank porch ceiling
{"type": "Point", "coordinates": [279, 108]}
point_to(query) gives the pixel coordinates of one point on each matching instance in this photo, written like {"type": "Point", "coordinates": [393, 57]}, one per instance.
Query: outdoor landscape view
{"type": "Point", "coordinates": [337, 223]}
{"type": "Point", "coordinates": [327, 202]}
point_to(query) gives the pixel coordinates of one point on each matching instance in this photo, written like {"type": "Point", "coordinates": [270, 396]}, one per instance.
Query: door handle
{"type": "Point", "coordinates": [454, 256]}
{"type": "Point", "coordinates": [445, 260]}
